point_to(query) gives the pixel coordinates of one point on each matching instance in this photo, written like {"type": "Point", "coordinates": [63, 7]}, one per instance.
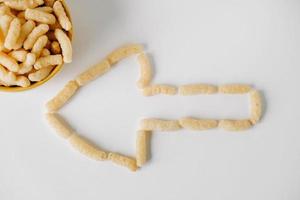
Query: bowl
{"type": "Point", "coordinates": [54, 72]}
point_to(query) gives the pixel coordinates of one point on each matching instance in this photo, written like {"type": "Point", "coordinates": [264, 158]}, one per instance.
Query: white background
{"type": "Point", "coordinates": [215, 41]}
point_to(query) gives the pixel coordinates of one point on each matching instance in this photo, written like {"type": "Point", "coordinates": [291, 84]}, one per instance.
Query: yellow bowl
{"type": "Point", "coordinates": [55, 71]}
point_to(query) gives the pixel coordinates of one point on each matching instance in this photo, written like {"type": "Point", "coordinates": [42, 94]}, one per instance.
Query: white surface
{"type": "Point", "coordinates": [249, 41]}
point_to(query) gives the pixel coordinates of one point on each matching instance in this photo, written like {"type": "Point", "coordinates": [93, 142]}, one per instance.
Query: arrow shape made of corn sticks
{"type": "Point", "coordinates": [147, 126]}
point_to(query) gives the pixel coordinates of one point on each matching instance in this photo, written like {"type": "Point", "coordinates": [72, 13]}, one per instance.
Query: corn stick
{"type": "Point", "coordinates": [159, 89]}
{"type": "Point", "coordinates": [9, 62]}
{"type": "Point", "coordinates": [62, 97]}
{"type": "Point", "coordinates": [256, 106]}
{"type": "Point", "coordinates": [124, 161]}
{"type": "Point", "coordinates": [62, 16]}
{"type": "Point", "coordinates": [59, 125]}
{"type": "Point", "coordinates": [195, 89]}
{"type": "Point", "coordinates": [142, 147]}
{"type": "Point", "coordinates": [159, 125]}
{"type": "Point", "coordinates": [235, 125]}
{"type": "Point", "coordinates": [146, 71]}
{"type": "Point", "coordinates": [93, 73]}
{"type": "Point", "coordinates": [234, 89]}
{"type": "Point", "coordinates": [124, 52]}
{"type": "Point", "coordinates": [87, 148]}
{"type": "Point", "coordinates": [198, 124]}
{"type": "Point", "coordinates": [65, 44]}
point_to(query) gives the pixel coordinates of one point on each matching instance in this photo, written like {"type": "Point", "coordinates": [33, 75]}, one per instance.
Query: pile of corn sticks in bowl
{"type": "Point", "coordinates": [35, 38]}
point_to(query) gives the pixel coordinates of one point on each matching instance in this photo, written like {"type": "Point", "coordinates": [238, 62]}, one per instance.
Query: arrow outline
{"type": "Point", "coordinates": [148, 126]}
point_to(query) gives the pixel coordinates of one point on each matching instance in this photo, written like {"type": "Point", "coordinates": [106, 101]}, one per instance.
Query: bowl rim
{"type": "Point", "coordinates": [54, 72]}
